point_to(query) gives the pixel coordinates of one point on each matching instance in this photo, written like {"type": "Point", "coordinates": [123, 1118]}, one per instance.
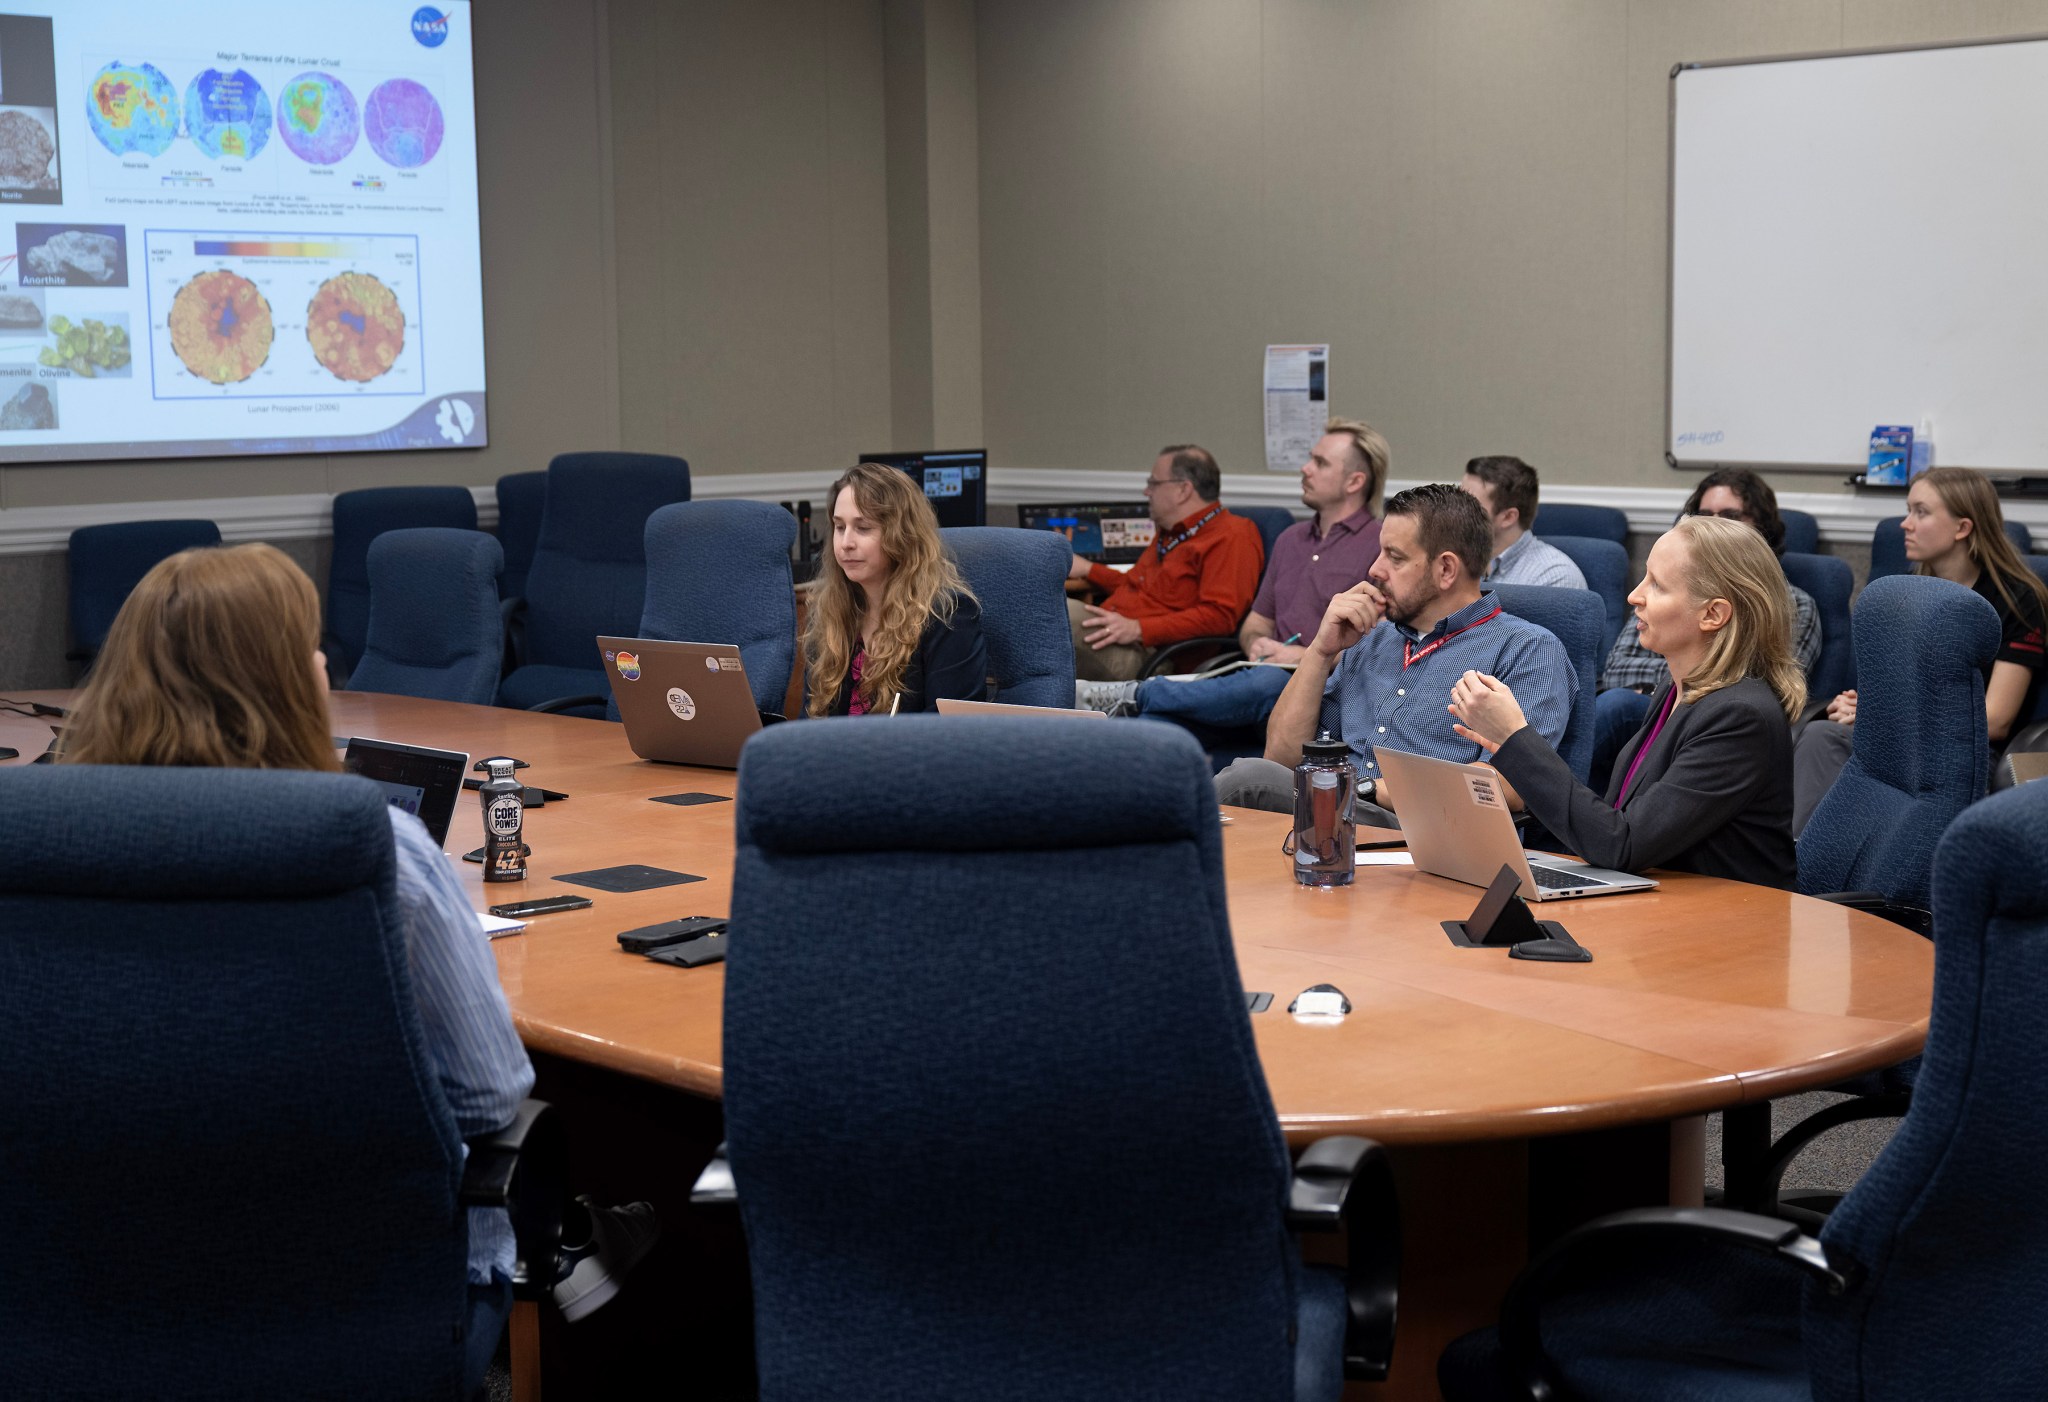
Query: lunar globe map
{"type": "Point", "coordinates": [133, 107]}
{"type": "Point", "coordinates": [221, 327]}
{"type": "Point", "coordinates": [356, 327]}
{"type": "Point", "coordinates": [228, 114]}
{"type": "Point", "coordinates": [318, 118]}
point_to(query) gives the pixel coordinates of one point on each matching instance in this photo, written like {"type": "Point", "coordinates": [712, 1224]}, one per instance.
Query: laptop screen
{"type": "Point", "coordinates": [1109, 533]}
{"type": "Point", "coordinates": [419, 781]}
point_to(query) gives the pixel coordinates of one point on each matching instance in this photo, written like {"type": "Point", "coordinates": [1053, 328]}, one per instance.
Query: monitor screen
{"type": "Point", "coordinates": [956, 483]}
{"type": "Point", "coordinates": [1110, 533]}
{"type": "Point", "coordinates": [237, 227]}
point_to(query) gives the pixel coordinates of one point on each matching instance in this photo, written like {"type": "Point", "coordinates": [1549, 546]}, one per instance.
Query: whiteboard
{"type": "Point", "coordinates": [1860, 239]}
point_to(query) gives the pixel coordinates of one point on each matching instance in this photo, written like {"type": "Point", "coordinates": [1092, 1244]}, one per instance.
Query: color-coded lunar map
{"type": "Point", "coordinates": [132, 107]}
{"type": "Point", "coordinates": [221, 327]}
{"type": "Point", "coordinates": [227, 115]}
{"type": "Point", "coordinates": [318, 118]}
{"type": "Point", "coordinates": [356, 327]}
{"type": "Point", "coordinates": [403, 123]}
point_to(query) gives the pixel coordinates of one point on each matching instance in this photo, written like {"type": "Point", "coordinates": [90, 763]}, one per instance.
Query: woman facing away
{"type": "Point", "coordinates": [1705, 784]}
{"type": "Point", "coordinates": [892, 627]}
{"type": "Point", "coordinates": [1953, 530]}
{"type": "Point", "coordinates": [214, 661]}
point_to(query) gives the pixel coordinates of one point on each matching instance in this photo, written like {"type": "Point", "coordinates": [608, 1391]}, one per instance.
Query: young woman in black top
{"type": "Point", "coordinates": [892, 626]}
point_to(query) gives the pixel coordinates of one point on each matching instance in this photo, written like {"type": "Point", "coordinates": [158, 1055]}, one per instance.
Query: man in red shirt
{"type": "Point", "coordinates": [1197, 578]}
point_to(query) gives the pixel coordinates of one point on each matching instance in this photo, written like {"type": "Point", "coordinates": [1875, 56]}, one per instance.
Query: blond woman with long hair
{"type": "Point", "coordinates": [1954, 530]}
{"type": "Point", "coordinates": [1706, 784]}
{"type": "Point", "coordinates": [892, 627]}
{"type": "Point", "coordinates": [214, 662]}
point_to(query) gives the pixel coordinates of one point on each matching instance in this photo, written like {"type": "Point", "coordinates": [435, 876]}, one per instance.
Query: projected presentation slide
{"type": "Point", "coordinates": [237, 227]}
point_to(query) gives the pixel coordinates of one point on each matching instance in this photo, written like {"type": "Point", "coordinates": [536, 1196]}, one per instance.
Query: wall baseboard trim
{"type": "Point", "coordinates": [40, 530]}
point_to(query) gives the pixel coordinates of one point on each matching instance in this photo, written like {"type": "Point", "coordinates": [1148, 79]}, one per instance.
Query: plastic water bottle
{"type": "Point", "coordinates": [1325, 837]}
{"type": "Point", "coordinates": [1923, 448]}
{"type": "Point", "coordinates": [504, 817]}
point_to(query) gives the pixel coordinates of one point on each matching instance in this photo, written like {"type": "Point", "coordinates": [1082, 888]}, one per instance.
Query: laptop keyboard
{"type": "Point", "coordinates": [1551, 879]}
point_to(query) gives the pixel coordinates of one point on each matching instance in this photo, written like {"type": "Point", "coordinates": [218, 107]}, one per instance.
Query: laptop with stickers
{"type": "Point", "coordinates": [683, 703]}
{"type": "Point", "coordinates": [1456, 820]}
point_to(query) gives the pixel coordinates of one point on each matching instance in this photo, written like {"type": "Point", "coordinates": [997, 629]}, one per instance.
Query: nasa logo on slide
{"type": "Point", "coordinates": [430, 26]}
{"type": "Point", "coordinates": [679, 701]}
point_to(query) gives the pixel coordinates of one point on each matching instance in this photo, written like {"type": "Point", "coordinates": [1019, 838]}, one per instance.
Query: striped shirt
{"type": "Point", "coordinates": [480, 1065]}
{"type": "Point", "coordinates": [1533, 561]}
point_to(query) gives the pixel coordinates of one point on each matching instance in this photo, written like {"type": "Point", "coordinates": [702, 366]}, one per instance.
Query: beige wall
{"type": "Point", "coordinates": [1467, 198]}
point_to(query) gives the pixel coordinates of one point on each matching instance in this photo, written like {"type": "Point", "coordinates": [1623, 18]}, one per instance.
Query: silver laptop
{"type": "Point", "coordinates": [1456, 819]}
{"type": "Point", "coordinates": [683, 703]}
{"type": "Point", "coordinates": [949, 707]}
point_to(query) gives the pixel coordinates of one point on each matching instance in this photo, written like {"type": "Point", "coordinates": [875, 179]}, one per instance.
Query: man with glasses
{"type": "Point", "coordinates": [1195, 580]}
{"type": "Point", "coordinates": [1633, 672]}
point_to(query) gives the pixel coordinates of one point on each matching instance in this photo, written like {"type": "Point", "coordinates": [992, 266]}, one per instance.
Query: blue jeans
{"type": "Point", "coordinates": [1229, 702]}
{"type": "Point", "coordinates": [1617, 714]}
{"type": "Point", "coordinates": [489, 1307]}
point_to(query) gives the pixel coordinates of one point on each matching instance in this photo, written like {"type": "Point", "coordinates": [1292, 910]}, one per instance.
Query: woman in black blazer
{"type": "Point", "coordinates": [1706, 784]}
{"type": "Point", "coordinates": [892, 626]}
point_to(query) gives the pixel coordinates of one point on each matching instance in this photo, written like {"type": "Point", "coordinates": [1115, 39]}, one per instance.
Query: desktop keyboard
{"type": "Point", "coordinates": [1551, 879]}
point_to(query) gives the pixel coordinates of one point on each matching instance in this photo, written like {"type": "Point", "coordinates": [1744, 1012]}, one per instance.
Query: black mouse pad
{"type": "Point", "coordinates": [690, 800]}
{"type": "Point", "coordinates": [627, 878]}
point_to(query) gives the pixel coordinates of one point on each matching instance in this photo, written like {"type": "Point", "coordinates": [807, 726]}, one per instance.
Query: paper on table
{"type": "Point", "coordinates": [1385, 859]}
{"type": "Point", "coordinates": [496, 925]}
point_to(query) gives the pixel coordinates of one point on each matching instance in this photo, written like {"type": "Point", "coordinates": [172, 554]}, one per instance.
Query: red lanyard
{"type": "Point", "coordinates": [1409, 656]}
{"type": "Point", "coordinates": [1166, 547]}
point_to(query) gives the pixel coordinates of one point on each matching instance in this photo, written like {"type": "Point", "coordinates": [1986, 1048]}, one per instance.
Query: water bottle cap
{"type": "Point", "coordinates": [1325, 749]}
{"type": "Point", "coordinates": [501, 768]}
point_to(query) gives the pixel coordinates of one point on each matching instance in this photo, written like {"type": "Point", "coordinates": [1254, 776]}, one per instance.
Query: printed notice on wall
{"type": "Point", "coordinates": [1297, 403]}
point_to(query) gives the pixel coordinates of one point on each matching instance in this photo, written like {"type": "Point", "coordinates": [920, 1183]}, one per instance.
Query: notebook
{"type": "Point", "coordinates": [1457, 823]}
{"type": "Point", "coordinates": [683, 703]}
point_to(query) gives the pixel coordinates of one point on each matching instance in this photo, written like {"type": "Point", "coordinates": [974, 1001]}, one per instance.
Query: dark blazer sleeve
{"type": "Point", "coordinates": [954, 659]}
{"type": "Point", "coordinates": [1715, 770]}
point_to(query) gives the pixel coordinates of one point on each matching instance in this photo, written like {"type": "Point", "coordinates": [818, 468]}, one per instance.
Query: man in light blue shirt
{"type": "Point", "coordinates": [1507, 488]}
{"type": "Point", "coordinates": [1381, 666]}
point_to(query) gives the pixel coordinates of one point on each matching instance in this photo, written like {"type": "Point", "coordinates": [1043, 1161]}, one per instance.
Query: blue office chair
{"type": "Point", "coordinates": [1574, 617]}
{"type": "Point", "coordinates": [107, 562]}
{"type": "Point", "coordinates": [1608, 574]}
{"type": "Point", "coordinates": [522, 496]}
{"type": "Point", "coordinates": [1831, 582]}
{"type": "Point", "coordinates": [718, 572]}
{"type": "Point", "coordinates": [359, 518]}
{"type": "Point", "coordinates": [1019, 577]}
{"type": "Point", "coordinates": [1926, 1280]}
{"type": "Point", "coordinates": [1044, 1164]}
{"type": "Point", "coordinates": [1888, 546]}
{"type": "Point", "coordinates": [434, 629]}
{"type": "Point", "coordinates": [1920, 757]}
{"type": "Point", "coordinates": [1272, 522]}
{"type": "Point", "coordinates": [1802, 532]}
{"type": "Point", "coordinates": [228, 1166]}
{"type": "Point", "coordinates": [1565, 518]}
{"type": "Point", "coordinates": [588, 577]}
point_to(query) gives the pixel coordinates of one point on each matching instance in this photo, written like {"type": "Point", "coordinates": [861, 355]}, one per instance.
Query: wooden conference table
{"type": "Point", "coordinates": [1520, 1098]}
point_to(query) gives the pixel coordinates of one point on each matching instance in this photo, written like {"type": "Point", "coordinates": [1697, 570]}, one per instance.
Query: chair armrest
{"type": "Point", "coordinates": [715, 1186]}
{"type": "Point", "coordinates": [512, 618]}
{"type": "Point", "coordinates": [522, 1168]}
{"type": "Point", "coordinates": [1913, 917]}
{"type": "Point", "coordinates": [1346, 1183]}
{"type": "Point", "coordinates": [1157, 666]}
{"type": "Point", "coordinates": [564, 703]}
{"type": "Point", "coordinates": [1770, 1170]}
{"type": "Point", "coordinates": [1520, 1335]}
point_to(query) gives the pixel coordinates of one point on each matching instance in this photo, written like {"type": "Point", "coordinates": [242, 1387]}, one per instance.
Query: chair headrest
{"type": "Point", "coordinates": [115, 831]}
{"type": "Point", "coordinates": [971, 783]}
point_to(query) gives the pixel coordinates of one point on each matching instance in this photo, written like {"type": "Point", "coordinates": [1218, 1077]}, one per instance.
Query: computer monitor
{"type": "Point", "coordinates": [1109, 533]}
{"type": "Point", "coordinates": [955, 483]}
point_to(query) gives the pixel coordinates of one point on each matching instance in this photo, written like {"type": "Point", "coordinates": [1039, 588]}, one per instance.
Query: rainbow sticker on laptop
{"type": "Point", "coordinates": [629, 666]}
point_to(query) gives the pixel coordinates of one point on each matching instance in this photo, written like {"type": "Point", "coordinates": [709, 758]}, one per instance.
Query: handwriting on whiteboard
{"type": "Point", "coordinates": [1705, 439]}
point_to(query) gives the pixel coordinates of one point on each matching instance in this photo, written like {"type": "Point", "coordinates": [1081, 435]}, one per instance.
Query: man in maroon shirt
{"type": "Point", "coordinates": [1196, 578]}
{"type": "Point", "coordinates": [1342, 482]}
